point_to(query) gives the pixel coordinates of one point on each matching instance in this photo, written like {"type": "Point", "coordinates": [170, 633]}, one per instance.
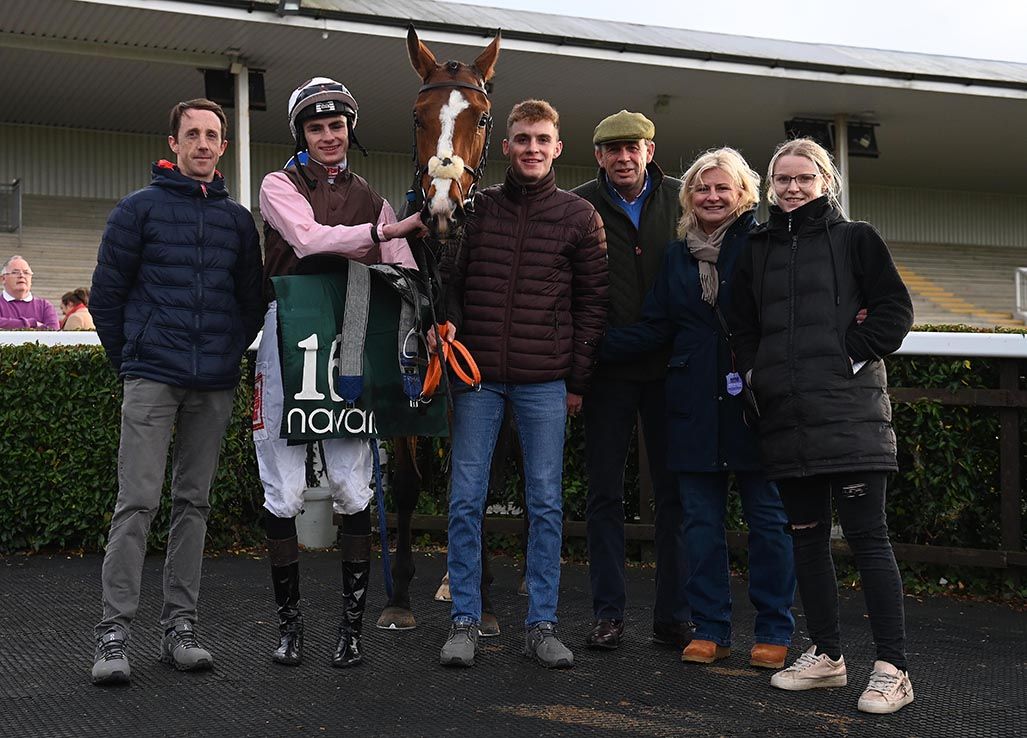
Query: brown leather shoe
{"type": "Point", "coordinates": [768, 656]}
{"type": "Point", "coordinates": [704, 652]}
{"type": "Point", "coordinates": [605, 635]}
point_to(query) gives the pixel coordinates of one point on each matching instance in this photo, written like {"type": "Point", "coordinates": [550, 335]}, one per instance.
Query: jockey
{"type": "Point", "coordinates": [320, 207]}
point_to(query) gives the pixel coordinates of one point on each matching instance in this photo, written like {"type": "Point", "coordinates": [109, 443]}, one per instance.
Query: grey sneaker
{"type": "Point", "coordinates": [541, 644]}
{"type": "Point", "coordinates": [110, 662]}
{"type": "Point", "coordinates": [179, 648]}
{"type": "Point", "coordinates": [460, 646]}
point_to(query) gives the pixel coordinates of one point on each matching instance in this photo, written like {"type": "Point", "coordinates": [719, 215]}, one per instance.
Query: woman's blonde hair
{"type": "Point", "coordinates": [822, 160]}
{"type": "Point", "coordinates": [735, 167]}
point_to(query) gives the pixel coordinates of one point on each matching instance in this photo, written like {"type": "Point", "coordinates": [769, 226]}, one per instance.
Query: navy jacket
{"type": "Point", "coordinates": [176, 292]}
{"type": "Point", "coordinates": [706, 430]}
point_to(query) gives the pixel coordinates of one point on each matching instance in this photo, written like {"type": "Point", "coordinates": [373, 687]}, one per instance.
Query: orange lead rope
{"type": "Point", "coordinates": [452, 352]}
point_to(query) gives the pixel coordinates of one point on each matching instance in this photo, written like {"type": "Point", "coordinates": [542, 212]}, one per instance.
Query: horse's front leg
{"type": "Point", "coordinates": [406, 485]}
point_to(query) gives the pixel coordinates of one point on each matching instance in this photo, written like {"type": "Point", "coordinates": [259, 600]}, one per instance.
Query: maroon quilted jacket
{"type": "Point", "coordinates": [527, 291]}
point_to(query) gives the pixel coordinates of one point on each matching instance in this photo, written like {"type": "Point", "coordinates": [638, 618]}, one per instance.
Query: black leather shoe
{"type": "Point", "coordinates": [677, 635]}
{"type": "Point", "coordinates": [606, 635]}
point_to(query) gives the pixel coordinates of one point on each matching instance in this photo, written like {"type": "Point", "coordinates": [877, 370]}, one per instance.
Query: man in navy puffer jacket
{"type": "Point", "coordinates": [176, 299]}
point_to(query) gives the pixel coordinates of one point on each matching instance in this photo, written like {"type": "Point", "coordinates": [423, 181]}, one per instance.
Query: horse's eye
{"type": "Point", "coordinates": [417, 123]}
{"type": "Point", "coordinates": [484, 120]}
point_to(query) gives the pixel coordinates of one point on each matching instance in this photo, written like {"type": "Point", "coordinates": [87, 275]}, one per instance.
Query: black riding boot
{"type": "Point", "coordinates": [356, 568]}
{"type": "Point", "coordinates": [286, 581]}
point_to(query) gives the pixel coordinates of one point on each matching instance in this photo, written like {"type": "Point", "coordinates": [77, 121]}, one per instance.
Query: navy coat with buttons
{"type": "Point", "coordinates": [706, 430]}
{"type": "Point", "coordinates": [176, 293]}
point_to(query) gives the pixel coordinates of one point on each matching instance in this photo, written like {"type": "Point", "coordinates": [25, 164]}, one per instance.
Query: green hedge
{"type": "Point", "coordinates": [60, 410]}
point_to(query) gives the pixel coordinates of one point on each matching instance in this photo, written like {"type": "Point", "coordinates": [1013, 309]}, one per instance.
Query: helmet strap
{"type": "Point", "coordinates": [301, 145]}
{"type": "Point", "coordinates": [353, 136]}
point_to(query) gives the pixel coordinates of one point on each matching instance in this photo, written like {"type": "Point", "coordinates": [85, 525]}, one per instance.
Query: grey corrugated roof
{"type": "Point", "coordinates": [587, 32]}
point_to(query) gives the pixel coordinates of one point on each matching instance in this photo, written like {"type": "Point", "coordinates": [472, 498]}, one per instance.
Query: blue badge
{"type": "Point", "coordinates": [734, 384]}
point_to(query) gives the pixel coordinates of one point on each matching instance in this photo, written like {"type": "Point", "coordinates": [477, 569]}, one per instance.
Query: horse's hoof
{"type": "Point", "coordinates": [442, 593]}
{"type": "Point", "coordinates": [489, 626]}
{"type": "Point", "coordinates": [396, 618]}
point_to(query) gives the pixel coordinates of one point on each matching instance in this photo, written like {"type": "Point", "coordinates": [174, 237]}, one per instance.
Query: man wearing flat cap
{"type": "Point", "coordinates": [640, 207]}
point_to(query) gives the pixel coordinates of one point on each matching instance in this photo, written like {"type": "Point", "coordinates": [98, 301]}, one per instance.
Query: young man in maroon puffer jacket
{"type": "Point", "coordinates": [527, 296]}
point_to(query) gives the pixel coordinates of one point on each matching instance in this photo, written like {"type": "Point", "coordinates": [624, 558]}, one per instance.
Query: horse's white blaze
{"type": "Point", "coordinates": [440, 202]}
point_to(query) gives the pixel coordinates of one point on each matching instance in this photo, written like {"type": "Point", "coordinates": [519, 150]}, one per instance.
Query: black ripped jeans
{"type": "Point", "coordinates": [859, 498]}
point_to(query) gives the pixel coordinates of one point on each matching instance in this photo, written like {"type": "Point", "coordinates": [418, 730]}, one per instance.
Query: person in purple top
{"type": "Point", "coordinates": [18, 308]}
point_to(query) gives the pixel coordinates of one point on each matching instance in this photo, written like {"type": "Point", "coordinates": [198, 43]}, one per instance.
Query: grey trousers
{"type": "Point", "coordinates": [148, 413]}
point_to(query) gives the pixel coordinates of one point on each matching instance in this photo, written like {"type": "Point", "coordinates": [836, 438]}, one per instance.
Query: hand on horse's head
{"type": "Point", "coordinates": [409, 226]}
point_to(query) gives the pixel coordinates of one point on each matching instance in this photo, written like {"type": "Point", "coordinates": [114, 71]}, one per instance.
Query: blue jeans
{"type": "Point", "coordinates": [771, 566]}
{"type": "Point", "coordinates": [540, 411]}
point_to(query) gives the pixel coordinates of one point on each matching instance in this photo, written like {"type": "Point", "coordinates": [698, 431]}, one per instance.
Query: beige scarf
{"type": "Point", "coordinates": [706, 250]}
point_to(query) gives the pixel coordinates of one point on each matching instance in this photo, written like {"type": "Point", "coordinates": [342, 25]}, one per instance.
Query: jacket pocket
{"type": "Point", "coordinates": [680, 394]}
{"type": "Point", "coordinates": [556, 333]}
{"type": "Point", "coordinates": [133, 345]}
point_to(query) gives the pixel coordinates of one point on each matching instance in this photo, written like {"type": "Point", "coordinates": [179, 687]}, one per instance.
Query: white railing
{"type": "Point", "coordinates": [919, 343]}
{"type": "Point", "coordinates": [64, 338]}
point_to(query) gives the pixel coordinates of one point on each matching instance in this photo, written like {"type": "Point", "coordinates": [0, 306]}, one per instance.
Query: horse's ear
{"type": "Point", "coordinates": [421, 57]}
{"type": "Point", "coordinates": [486, 61]}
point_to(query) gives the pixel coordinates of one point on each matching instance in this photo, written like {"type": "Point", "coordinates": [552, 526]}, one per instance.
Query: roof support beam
{"type": "Point", "coordinates": [841, 158]}
{"type": "Point", "coordinates": [241, 186]}
{"type": "Point", "coordinates": [112, 51]}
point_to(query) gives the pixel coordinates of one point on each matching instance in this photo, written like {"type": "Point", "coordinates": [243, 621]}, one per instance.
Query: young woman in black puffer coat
{"type": "Point", "coordinates": [816, 304]}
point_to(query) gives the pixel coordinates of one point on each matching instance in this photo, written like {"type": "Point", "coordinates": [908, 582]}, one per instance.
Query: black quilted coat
{"type": "Point", "coordinates": [796, 294]}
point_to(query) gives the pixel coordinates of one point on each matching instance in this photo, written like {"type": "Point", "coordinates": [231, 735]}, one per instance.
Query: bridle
{"type": "Point", "coordinates": [416, 194]}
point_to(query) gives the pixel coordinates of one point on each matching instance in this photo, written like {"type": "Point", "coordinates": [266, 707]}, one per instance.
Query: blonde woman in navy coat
{"type": "Point", "coordinates": [709, 439]}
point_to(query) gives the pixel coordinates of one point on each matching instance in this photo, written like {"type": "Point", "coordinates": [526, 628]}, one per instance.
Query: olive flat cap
{"type": "Point", "coordinates": [623, 126]}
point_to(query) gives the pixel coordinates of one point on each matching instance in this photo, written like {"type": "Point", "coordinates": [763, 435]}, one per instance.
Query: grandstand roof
{"type": "Point", "coordinates": [120, 64]}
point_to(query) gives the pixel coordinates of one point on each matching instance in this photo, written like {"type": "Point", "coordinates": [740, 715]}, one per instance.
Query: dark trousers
{"type": "Point", "coordinates": [859, 499]}
{"type": "Point", "coordinates": [610, 410]}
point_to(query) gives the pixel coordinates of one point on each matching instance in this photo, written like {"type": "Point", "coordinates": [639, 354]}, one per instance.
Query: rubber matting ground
{"type": "Point", "coordinates": [967, 661]}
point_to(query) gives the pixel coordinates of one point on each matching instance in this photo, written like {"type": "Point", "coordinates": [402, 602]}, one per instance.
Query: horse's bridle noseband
{"type": "Point", "coordinates": [416, 192]}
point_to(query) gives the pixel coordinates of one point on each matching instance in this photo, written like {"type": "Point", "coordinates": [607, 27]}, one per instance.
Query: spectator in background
{"type": "Point", "coordinates": [19, 309]}
{"type": "Point", "coordinates": [75, 306]}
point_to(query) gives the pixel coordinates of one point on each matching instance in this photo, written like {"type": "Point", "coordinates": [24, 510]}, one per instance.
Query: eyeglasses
{"type": "Point", "coordinates": [19, 273]}
{"type": "Point", "coordinates": [803, 180]}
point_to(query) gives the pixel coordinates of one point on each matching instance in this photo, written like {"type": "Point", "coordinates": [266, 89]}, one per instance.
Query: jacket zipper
{"type": "Point", "coordinates": [522, 217]}
{"type": "Point", "coordinates": [791, 330]}
{"type": "Point", "coordinates": [199, 284]}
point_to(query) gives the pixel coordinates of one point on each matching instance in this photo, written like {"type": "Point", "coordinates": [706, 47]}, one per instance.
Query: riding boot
{"type": "Point", "coordinates": [286, 581]}
{"type": "Point", "coordinates": [356, 569]}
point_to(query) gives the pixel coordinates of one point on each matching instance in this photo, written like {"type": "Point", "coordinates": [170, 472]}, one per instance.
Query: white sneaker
{"type": "Point", "coordinates": [889, 690]}
{"type": "Point", "coordinates": [811, 671]}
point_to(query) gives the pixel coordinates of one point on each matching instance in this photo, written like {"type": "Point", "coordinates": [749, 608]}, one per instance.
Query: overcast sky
{"type": "Point", "coordinates": [985, 29]}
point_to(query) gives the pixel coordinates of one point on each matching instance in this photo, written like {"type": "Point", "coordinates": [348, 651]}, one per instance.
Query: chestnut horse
{"type": "Point", "coordinates": [452, 126]}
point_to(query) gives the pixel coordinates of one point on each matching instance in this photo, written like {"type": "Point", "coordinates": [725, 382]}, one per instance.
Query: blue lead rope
{"type": "Point", "coordinates": [383, 531]}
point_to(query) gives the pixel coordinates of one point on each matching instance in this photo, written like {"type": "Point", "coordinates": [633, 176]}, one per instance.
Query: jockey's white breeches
{"type": "Point", "coordinates": [283, 467]}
